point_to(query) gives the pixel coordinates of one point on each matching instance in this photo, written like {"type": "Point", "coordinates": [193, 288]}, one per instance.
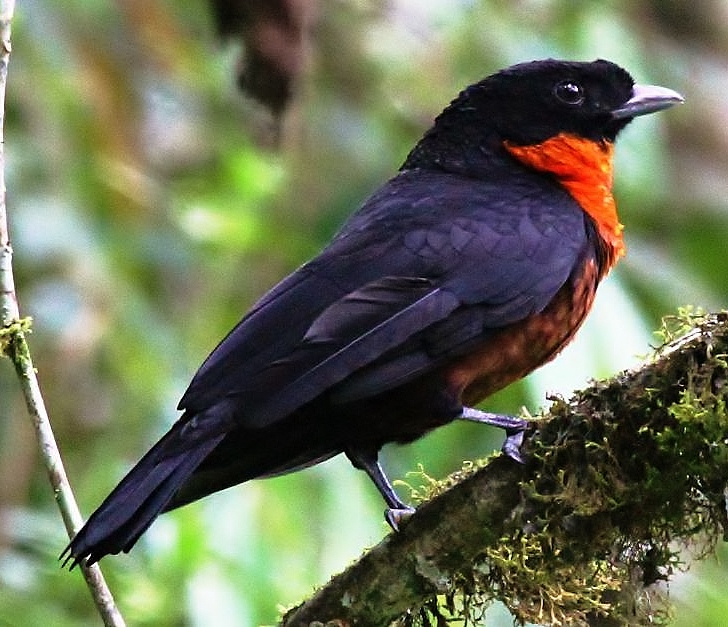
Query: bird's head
{"type": "Point", "coordinates": [529, 103]}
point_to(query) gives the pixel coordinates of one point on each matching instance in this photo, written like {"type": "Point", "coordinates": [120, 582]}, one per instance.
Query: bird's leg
{"type": "Point", "coordinates": [367, 461]}
{"type": "Point", "coordinates": [513, 426]}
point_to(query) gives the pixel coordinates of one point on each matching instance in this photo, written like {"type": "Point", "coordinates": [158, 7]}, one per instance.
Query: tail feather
{"type": "Point", "coordinates": [136, 502]}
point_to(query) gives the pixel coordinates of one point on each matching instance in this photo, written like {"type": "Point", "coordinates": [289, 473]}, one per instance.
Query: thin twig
{"type": "Point", "coordinates": [15, 346]}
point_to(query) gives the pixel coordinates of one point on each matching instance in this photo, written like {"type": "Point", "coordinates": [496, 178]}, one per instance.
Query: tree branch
{"type": "Point", "coordinates": [615, 479]}
{"type": "Point", "coordinates": [13, 343]}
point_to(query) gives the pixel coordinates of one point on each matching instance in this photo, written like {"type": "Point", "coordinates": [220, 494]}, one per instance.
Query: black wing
{"type": "Point", "coordinates": [423, 252]}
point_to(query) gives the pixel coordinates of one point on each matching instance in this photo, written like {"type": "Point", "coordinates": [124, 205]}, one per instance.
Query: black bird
{"type": "Point", "coordinates": [472, 266]}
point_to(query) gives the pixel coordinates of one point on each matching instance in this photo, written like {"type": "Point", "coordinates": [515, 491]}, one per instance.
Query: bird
{"type": "Point", "coordinates": [473, 265]}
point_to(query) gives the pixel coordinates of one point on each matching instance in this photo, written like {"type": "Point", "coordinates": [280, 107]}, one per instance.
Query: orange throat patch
{"type": "Point", "coordinates": [585, 168]}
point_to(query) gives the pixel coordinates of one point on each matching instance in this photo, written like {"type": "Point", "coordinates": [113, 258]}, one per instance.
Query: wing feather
{"type": "Point", "coordinates": [429, 264]}
{"type": "Point", "coordinates": [393, 329]}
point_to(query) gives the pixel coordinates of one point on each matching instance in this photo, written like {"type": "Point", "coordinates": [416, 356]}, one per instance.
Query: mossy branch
{"type": "Point", "coordinates": [617, 480]}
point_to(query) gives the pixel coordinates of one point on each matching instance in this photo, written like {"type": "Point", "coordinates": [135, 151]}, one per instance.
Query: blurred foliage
{"type": "Point", "coordinates": [148, 211]}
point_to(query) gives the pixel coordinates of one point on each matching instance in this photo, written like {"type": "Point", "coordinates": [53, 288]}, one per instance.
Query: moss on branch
{"type": "Point", "coordinates": [618, 480]}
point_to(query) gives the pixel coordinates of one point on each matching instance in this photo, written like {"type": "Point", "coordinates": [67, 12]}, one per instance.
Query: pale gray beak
{"type": "Point", "coordinates": [647, 99]}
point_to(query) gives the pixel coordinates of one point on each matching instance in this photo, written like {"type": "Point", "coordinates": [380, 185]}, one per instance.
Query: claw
{"type": "Point", "coordinates": [512, 446]}
{"type": "Point", "coordinates": [396, 516]}
{"type": "Point", "coordinates": [512, 425]}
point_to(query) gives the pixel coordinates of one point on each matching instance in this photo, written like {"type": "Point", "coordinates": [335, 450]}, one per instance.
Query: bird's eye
{"type": "Point", "coordinates": [569, 92]}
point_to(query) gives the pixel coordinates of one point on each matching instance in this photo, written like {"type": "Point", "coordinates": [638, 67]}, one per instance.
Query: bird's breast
{"type": "Point", "coordinates": [519, 348]}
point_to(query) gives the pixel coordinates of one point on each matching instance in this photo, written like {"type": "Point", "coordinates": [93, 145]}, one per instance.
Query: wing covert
{"type": "Point", "coordinates": [403, 285]}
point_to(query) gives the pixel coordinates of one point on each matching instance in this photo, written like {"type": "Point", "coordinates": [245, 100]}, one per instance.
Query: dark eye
{"type": "Point", "coordinates": [569, 92]}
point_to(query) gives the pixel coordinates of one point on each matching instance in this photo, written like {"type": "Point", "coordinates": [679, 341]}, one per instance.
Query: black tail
{"type": "Point", "coordinates": [134, 504]}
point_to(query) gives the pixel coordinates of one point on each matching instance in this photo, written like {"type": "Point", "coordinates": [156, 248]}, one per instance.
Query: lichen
{"type": "Point", "coordinates": [10, 332]}
{"type": "Point", "coordinates": [428, 487]}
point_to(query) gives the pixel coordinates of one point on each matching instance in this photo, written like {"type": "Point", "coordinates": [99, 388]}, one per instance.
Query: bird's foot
{"type": "Point", "coordinates": [512, 446]}
{"type": "Point", "coordinates": [395, 516]}
{"type": "Point", "coordinates": [397, 512]}
{"type": "Point", "coordinates": [512, 425]}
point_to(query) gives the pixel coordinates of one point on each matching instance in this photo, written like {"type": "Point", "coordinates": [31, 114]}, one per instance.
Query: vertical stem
{"type": "Point", "coordinates": [8, 302]}
{"type": "Point", "coordinates": [14, 343]}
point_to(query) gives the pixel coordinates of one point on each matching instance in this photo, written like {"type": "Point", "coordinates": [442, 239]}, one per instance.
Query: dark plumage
{"type": "Point", "coordinates": [471, 267]}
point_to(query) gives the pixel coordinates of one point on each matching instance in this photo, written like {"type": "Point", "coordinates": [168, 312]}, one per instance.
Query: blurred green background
{"type": "Point", "coordinates": [149, 208]}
